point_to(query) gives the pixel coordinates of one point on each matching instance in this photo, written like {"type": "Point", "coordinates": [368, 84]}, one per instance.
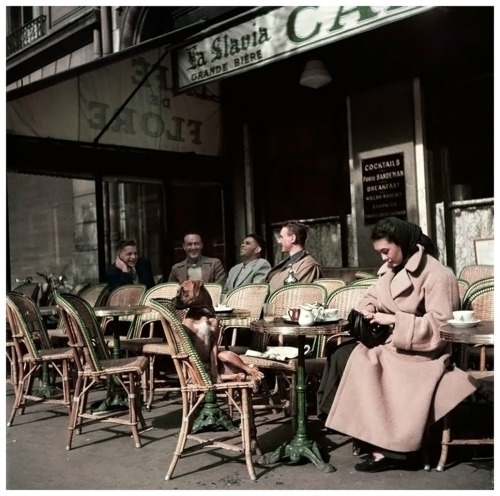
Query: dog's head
{"type": "Point", "coordinates": [193, 294]}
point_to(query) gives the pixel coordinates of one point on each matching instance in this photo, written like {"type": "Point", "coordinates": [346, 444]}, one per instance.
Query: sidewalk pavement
{"type": "Point", "coordinates": [103, 457]}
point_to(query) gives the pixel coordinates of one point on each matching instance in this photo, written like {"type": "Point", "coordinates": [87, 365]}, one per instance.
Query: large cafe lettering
{"type": "Point", "coordinates": [274, 35]}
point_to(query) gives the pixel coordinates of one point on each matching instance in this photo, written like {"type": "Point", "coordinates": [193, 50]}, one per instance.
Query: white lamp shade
{"type": "Point", "coordinates": [315, 75]}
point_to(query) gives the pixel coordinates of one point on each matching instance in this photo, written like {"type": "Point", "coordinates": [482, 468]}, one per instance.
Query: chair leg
{"type": "Point", "coordinates": [151, 382]}
{"type": "Point", "coordinates": [245, 431]}
{"type": "Point", "coordinates": [185, 429]}
{"type": "Point", "coordinates": [446, 436]}
{"type": "Point", "coordinates": [132, 408]}
{"type": "Point", "coordinates": [74, 413]}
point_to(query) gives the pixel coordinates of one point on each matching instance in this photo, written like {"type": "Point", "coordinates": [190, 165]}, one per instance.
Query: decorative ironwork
{"type": "Point", "coordinates": [26, 35]}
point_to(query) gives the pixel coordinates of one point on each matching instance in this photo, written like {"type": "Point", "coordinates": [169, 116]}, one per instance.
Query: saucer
{"type": "Point", "coordinates": [327, 321]}
{"type": "Point", "coordinates": [223, 309]}
{"type": "Point", "coordinates": [461, 324]}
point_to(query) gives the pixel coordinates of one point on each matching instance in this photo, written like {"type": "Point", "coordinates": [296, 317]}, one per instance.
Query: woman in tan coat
{"type": "Point", "coordinates": [389, 394]}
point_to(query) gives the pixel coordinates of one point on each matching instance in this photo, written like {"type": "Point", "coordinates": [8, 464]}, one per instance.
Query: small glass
{"type": "Point", "coordinates": [268, 312]}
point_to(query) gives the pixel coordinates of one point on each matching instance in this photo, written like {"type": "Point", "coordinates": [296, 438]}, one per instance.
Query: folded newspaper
{"type": "Point", "coordinates": [279, 353]}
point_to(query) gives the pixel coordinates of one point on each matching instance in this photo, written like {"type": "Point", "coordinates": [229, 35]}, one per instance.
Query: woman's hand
{"type": "Point", "coordinates": [383, 318]}
{"type": "Point", "coordinates": [369, 311]}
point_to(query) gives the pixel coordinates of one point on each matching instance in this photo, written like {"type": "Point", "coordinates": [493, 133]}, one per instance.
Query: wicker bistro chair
{"type": "Point", "coordinates": [472, 273]}
{"type": "Point", "coordinates": [30, 289]}
{"type": "Point", "coordinates": [215, 291]}
{"type": "Point", "coordinates": [34, 352]}
{"type": "Point", "coordinates": [330, 284]}
{"type": "Point", "coordinates": [463, 286]}
{"type": "Point", "coordinates": [365, 281]}
{"type": "Point", "coordinates": [475, 286]}
{"type": "Point", "coordinates": [479, 357]}
{"type": "Point", "coordinates": [142, 329]}
{"type": "Point", "coordinates": [128, 294]}
{"type": "Point", "coordinates": [78, 289]}
{"type": "Point", "coordinates": [282, 299]}
{"type": "Point", "coordinates": [96, 367]}
{"type": "Point", "coordinates": [249, 297]}
{"type": "Point", "coordinates": [196, 384]}
{"type": "Point", "coordinates": [95, 295]}
{"type": "Point", "coordinates": [481, 397]}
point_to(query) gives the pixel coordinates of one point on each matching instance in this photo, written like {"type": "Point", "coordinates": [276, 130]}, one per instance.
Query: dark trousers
{"type": "Point", "coordinates": [332, 373]}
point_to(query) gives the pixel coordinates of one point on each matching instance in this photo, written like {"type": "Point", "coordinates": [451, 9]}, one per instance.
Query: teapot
{"type": "Point", "coordinates": [309, 314]}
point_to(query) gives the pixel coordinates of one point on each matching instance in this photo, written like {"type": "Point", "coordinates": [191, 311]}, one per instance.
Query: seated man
{"type": "Point", "coordinates": [128, 267]}
{"type": "Point", "coordinates": [300, 265]}
{"type": "Point", "coordinates": [253, 268]}
{"type": "Point", "coordinates": [197, 266]}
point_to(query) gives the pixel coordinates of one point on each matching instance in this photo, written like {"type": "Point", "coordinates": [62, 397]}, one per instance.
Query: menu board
{"type": "Point", "coordinates": [384, 192]}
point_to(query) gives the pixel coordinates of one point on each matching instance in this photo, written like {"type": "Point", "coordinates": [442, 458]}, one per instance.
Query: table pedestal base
{"type": "Point", "coordinates": [212, 417]}
{"type": "Point", "coordinates": [47, 391]}
{"type": "Point", "coordinates": [110, 404]}
{"type": "Point", "coordinates": [295, 450]}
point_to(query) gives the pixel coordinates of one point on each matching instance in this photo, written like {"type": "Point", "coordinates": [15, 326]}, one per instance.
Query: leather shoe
{"type": "Point", "coordinates": [371, 465]}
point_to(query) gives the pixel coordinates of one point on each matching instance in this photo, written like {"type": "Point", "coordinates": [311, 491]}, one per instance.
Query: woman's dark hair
{"type": "Point", "coordinates": [404, 234]}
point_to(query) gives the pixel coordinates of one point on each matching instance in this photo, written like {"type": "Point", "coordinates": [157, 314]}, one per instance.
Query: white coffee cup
{"type": "Point", "coordinates": [464, 315]}
{"type": "Point", "coordinates": [331, 314]}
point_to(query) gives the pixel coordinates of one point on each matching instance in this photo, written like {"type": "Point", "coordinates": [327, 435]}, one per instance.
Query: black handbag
{"type": "Point", "coordinates": [370, 335]}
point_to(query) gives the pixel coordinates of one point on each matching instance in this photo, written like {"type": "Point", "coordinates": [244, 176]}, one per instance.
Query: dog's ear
{"type": "Point", "coordinates": [197, 285]}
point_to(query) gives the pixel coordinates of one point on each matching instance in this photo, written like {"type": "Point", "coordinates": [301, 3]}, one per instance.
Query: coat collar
{"type": "Point", "coordinates": [401, 281]}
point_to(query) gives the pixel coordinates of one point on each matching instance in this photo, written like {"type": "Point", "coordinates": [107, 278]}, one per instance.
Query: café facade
{"type": "Point", "coordinates": [224, 125]}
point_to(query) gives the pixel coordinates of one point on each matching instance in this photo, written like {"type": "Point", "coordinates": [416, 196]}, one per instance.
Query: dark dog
{"type": "Point", "coordinates": [203, 326]}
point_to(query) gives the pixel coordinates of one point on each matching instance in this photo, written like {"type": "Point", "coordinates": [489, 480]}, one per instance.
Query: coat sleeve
{"type": "Point", "coordinates": [261, 272]}
{"type": "Point", "coordinates": [173, 275]}
{"type": "Point", "coordinates": [307, 271]}
{"type": "Point", "coordinates": [115, 277]}
{"type": "Point", "coordinates": [419, 331]}
{"type": "Point", "coordinates": [219, 272]}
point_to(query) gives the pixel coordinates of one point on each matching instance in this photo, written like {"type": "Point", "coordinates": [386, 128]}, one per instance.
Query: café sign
{"type": "Point", "coordinates": [275, 35]}
{"type": "Point", "coordinates": [384, 188]}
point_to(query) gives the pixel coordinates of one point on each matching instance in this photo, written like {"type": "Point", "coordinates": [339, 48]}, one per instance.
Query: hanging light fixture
{"type": "Point", "coordinates": [315, 75]}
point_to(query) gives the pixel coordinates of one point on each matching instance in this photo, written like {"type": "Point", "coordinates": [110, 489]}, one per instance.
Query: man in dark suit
{"type": "Point", "coordinates": [128, 267]}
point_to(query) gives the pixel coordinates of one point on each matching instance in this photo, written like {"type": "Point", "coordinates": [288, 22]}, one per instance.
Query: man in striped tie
{"type": "Point", "coordinates": [128, 267]}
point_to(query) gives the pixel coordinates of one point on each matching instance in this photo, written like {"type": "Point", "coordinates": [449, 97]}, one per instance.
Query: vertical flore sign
{"type": "Point", "coordinates": [384, 192]}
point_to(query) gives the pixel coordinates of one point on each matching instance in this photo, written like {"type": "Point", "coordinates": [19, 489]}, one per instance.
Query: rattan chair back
{"type": "Point", "coordinates": [78, 289]}
{"type": "Point", "coordinates": [33, 350]}
{"type": "Point", "coordinates": [344, 299]}
{"type": "Point", "coordinates": [215, 291]}
{"type": "Point", "coordinates": [296, 294]}
{"type": "Point", "coordinates": [330, 284]}
{"type": "Point", "coordinates": [482, 301]}
{"type": "Point", "coordinates": [83, 330]}
{"type": "Point", "coordinates": [95, 295]}
{"type": "Point", "coordinates": [128, 294]}
{"type": "Point", "coordinates": [472, 273]}
{"type": "Point", "coordinates": [366, 281]}
{"type": "Point", "coordinates": [249, 297]}
{"type": "Point", "coordinates": [27, 324]}
{"type": "Point", "coordinates": [477, 285]}
{"type": "Point", "coordinates": [196, 383]}
{"type": "Point", "coordinates": [167, 290]}
{"type": "Point", "coordinates": [463, 286]}
{"type": "Point", "coordinates": [30, 289]}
